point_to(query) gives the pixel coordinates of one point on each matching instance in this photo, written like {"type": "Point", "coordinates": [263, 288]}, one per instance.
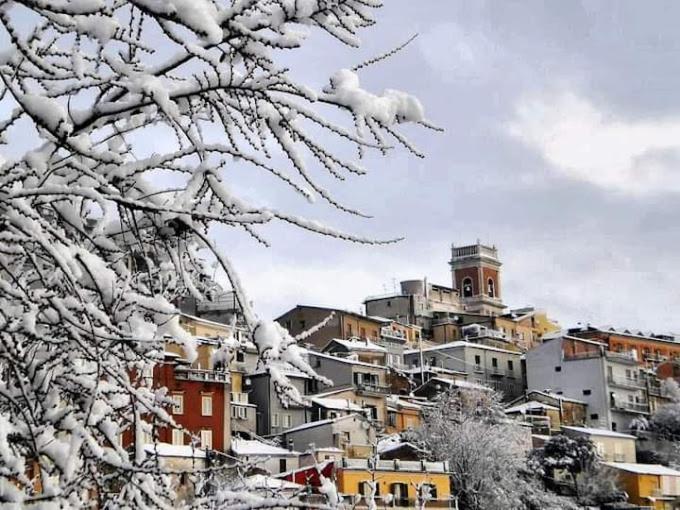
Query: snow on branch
{"type": "Point", "coordinates": [96, 249]}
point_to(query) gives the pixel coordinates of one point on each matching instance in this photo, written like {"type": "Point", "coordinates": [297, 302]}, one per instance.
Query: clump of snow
{"type": "Point", "coordinates": [49, 112]}
{"type": "Point", "coordinates": [392, 106]}
{"type": "Point", "coordinates": [199, 15]}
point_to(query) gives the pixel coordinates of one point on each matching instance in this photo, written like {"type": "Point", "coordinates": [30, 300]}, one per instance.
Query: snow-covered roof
{"type": "Point", "coordinates": [319, 423]}
{"type": "Point", "coordinates": [556, 396]}
{"type": "Point", "coordinates": [209, 322]}
{"type": "Point", "coordinates": [461, 343]}
{"type": "Point", "coordinates": [457, 383]}
{"type": "Point", "coordinates": [252, 447]}
{"type": "Point", "coordinates": [268, 482]}
{"type": "Point", "coordinates": [394, 400]}
{"type": "Point", "coordinates": [356, 344]}
{"type": "Point", "coordinates": [644, 469]}
{"type": "Point", "coordinates": [433, 369]}
{"type": "Point", "coordinates": [336, 403]}
{"type": "Point", "coordinates": [345, 360]}
{"type": "Point", "coordinates": [530, 406]}
{"type": "Point", "coordinates": [174, 450]}
{"type": "Point", "coordinates": [598, 432]}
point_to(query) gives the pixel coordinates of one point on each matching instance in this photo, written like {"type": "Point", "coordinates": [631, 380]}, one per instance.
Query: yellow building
{"type": "Point", "coordinates": [400, 479]}
{"type": "Point", "coordinates": [402, 415]}
{"type": "Point", "coordinates": [526, 327]}
{"type": "Point", "coordinates": [649, 485]}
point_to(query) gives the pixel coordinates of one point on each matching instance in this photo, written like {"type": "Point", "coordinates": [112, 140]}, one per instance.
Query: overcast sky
{"type": "Point", "coordinates": [562, 147]}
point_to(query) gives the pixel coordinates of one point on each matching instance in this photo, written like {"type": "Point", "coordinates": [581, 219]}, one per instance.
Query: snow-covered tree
{"type": "Point", "coordinates": [576, 460]}
{"type": "Point", "coordinates": [99, 236]}
{"type": "Point", "coordinates": [468, 429]}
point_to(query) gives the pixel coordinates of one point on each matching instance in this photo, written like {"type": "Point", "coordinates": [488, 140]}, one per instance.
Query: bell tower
{"type": "Point", "coordinates": [476, 274]}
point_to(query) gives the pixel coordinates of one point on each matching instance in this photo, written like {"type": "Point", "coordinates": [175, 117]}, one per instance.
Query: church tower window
{"type": "Point", "coordinates": [467, 287]}
{"type": "Point", "coordinates": [491, 288]}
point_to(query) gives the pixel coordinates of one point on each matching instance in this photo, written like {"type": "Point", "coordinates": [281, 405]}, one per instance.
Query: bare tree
{"type": "Point", "coordinates": [99, 237]}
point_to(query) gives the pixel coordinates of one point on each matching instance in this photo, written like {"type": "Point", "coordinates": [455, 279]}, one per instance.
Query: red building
{"type": "Point", "coordinates": [201, 404]}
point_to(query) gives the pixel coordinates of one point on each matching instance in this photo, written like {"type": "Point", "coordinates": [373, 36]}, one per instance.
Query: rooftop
{"type": "Point", "coordinates": [258, 448]}
{"type": "Point", "coordinates": [319, 423]}
{"type": "Point", "coordinates": [530, 406]}
{"type": "Point", "coordinates": [336, 403]}
{"type": "Point", "coordinates": [458, 344]}
{"type": "Point", "coordinates": [644, 469]}
{"type": "Point", "coordinates": [356, 344]}
{"type": "Point", "coordinates": [598, 432]}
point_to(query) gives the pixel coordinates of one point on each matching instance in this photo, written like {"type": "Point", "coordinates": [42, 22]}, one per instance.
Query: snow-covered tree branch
{"type": "Point", "coordinates": [99, 237]}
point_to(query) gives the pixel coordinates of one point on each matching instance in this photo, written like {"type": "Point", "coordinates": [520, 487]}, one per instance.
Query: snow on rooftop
{"type": "Point", "coordinates": [345, 360]}
{"type": "Point", "coordinates": [644, 469]}
{"type": "Point", "coordinates": [318, 423]}
{"type": "Point", "coordinates": [174, 450]}
{"type": "Point", "coordinates": [356, 344]}
{"type": "Point", "coordinates": [531, 406]}
{"type": "Point", "coordinates": [268, 482]}
{"type": "Point", "coordinates": [336, 403]}
{"type": "Point", "coordinates": [251, 447]}
{"type": "Point", "coordinates": [460, 343]}
{"type": "Point", "coordinates": [598, 432]}
{"type": "Point", "coordinates": [458, 383]}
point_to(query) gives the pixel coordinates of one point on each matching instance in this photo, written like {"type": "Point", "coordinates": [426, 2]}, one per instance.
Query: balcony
{"type": "Point", "coordinates": [630, 407]}
{"type": "Point", "coordinates": [628, 357]}
{"type": "Point", "coordinates": [389, 333]}
{"type": "Point", "coordinates": [626, 382]}
{"type": "Point", "coordinates": [196, 374]}
{"type": "Point", "coordinates": [479, 369]}
{"type": "Point", "coordinates": [372, 388]}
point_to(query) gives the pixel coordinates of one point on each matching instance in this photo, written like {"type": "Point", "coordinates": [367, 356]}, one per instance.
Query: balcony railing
{"type": "Point", "coordinates": [635, 407]}
{"type": "Point", "coordinates": [196, 374]}
{"type": "Point", "coordinates": [372, 388]}
{"type": "Point", "coordinates": [417, 466]}
{"type": "Point", "coordinates": [625, 382]}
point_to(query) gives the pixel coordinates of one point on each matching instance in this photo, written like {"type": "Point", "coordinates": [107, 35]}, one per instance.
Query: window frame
{"type": "Point", "coordinates": [204, 399]}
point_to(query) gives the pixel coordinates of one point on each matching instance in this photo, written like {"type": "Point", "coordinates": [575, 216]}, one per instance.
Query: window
{"type": "Point", "coordinates": [177, 437]}
{"type": "Point", "coordinates": [363, 333]}
{"type": "Point", "coordinates": [242, 413]}
{"type": "Point", "coordinates": [467, 287]}
{"type": "Point", "coordinates": [286, 420]}
{"type": "Point", "coordinates": [392, 419]}
{"type": "Point", "coordinates": [614, 430]}
{"type": "Point", "coordinates": [586, 392]}
{"type": "Point", "coordinates": [400, 493]}
{"type": "Point", "coordinates": [365, 488]}
{"type": "Point", "coordinates": [206, 439]}
{"type": "Point", "coordinates": [490, 288]}
{"type": "Point", "coordinates": [240, 356]}
{"type": "Point", "coordinates": [177, 403]}
{"type": "Point", "coordinates": [558, 369]}
{"type": "Point", "coordinates": [275, 420]}
{"type": "Point", "coordinates": [206, 405]}
{"type": "Point", "coordinates": [389, 304]}
{"type": "Point", "coordinates": [303, 324]}
{"type": "Point", "coordinates": [282, 466]}
{"type": "Point", "coordinates": [428, 489]}
{"type": "Point", "coordinates": [349, 330]}
{"type": "Point", "coordinates": [494, 362]}
{"type": "Point", "coordinates": [595, 416]}
{"type": "Point", "coordinates": [478, 359]}
{"type": "Point", "coordinates": [510, 365]}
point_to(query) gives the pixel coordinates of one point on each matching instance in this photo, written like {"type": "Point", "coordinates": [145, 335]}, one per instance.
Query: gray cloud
{"type": "Point", "coordinates": [575, 236]}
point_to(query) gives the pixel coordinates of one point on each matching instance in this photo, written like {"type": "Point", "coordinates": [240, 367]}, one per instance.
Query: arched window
{"type": "Point", "coordinates": [491, 287]}
{"type": "Point", "coordinates": [467, 287]}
